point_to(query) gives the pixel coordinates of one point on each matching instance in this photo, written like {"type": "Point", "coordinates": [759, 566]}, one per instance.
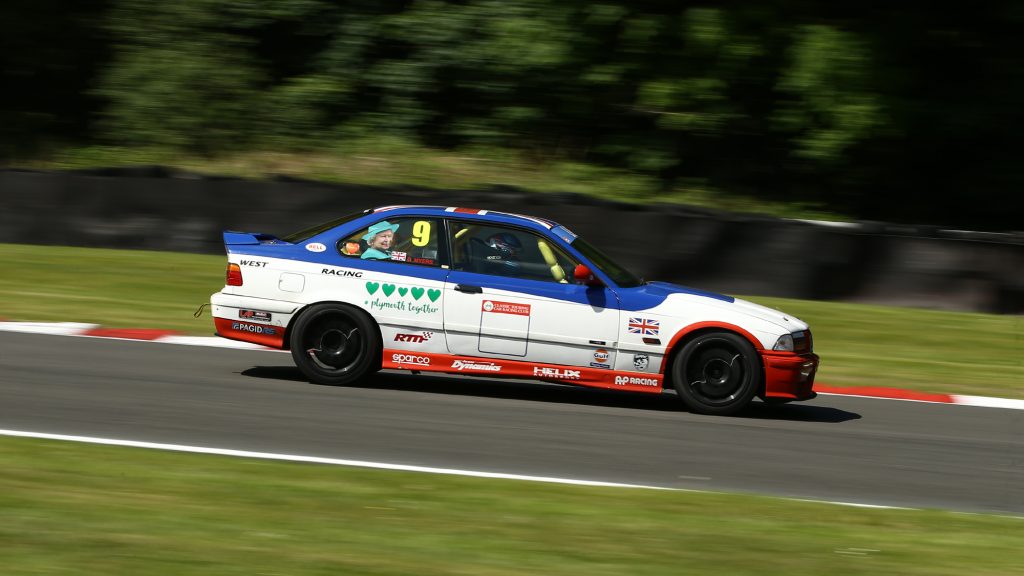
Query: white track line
{"type": "Point", "coordinates": [318, 460]}
{"type": "Point", "coordinates": [383, 465]}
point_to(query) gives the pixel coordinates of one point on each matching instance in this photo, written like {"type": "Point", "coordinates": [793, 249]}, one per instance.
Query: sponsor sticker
{"type": "Point", "coordinates": [253, 328]}
{"type": "Point", "coordinates": [342, 273]}
{"type": "Point", "coordinates": [255, 315]}
{"type": "Point", "coordinates": [559, 373]}
{"type": "Point", "coordinates": [253, 263]}
{"type": "Point", "coordinates": [496, 307]}
{"type": "Point", "coordinates": [410, 359]}
{"type": "Point", "coordinates": [461, 365]}
{"type": "Point", "coordinates": [635, 381]}
{"type": "Point", "coordinates": [601, 356]}
{"type": "Point", "coordinates": [315, 247]}
{"type": "Point", "coordinates": [644, 326]}
{"type": "Point", "coordinates": [600, 365]}
{"type": "Point", "coordinates": [428, 261]}
{"type": "Point", "coordinates": [641, 362]}
{"type": "Point", "coordinates": [414, 338]}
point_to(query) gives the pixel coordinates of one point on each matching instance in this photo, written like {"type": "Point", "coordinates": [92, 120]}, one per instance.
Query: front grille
{"type": "Point", "coordinates": [802, 342]}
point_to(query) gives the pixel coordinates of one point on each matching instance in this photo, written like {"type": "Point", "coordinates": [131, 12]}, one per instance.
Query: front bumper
{"type": "Point", "coordinates": [789, 376]}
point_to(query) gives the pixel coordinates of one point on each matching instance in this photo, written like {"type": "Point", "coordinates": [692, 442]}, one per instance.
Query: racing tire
{"type": "Point", "coordinates": [717, 373]}
{"type": "Point", "coordinates": [335, 344]}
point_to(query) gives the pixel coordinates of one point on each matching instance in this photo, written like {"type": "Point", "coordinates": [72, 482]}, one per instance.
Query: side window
{"type": "Point", "coordinates": [511, 252]}
{"type": "Point", "coordinates": [409, 240]}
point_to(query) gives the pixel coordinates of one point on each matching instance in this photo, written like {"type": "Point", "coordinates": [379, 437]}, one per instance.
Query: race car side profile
{"type": "Point", "coordinates": [484, 293]}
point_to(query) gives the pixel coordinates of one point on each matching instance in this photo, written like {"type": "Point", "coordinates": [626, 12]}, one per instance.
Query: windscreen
{"type": "Point", "coordinates": [622, 277]}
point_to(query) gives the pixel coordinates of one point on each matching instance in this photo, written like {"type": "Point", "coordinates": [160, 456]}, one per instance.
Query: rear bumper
{"type": "Point", "coordinates": [255, 320]}
{"type": "Point", "coordinates": [789, 376]}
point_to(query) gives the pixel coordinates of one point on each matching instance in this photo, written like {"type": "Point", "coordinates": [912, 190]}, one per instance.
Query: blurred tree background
{"type": "Point", "coordinates": [876, 110]}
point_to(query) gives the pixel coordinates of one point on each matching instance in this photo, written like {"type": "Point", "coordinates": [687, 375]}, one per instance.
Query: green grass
{"type": "Point", "coordinates": [70, 508]}
{"type": "Point", "coordinates": [927, 350]}
{"type": "Point", "coordinates": [390, 161]}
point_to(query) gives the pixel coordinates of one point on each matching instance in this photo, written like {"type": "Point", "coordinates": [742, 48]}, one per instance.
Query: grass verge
{"type": "Point", "coordinates": [931, 351]}
{"type": "Point", "coordinates": [86, 509]}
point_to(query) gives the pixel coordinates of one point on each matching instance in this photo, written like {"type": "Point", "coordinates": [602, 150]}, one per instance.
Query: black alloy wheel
{"type": "Point", "coordinates": [335, 344]}
{"type": "Point", "coordinates": [717, 373]}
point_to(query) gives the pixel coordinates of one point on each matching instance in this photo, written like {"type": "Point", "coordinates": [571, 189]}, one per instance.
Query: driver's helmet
{"type": "Point", "coordinates": [506, 244]}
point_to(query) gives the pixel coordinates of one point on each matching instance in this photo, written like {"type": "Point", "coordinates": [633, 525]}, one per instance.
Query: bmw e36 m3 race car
{"type": "Point", "coordinates": [485, 293]}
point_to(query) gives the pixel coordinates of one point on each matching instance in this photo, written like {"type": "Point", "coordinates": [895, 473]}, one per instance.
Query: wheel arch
{"type": "Point", "coordinates": [305, 308]}
{"type": "Point", "coordinates": [693, 331]}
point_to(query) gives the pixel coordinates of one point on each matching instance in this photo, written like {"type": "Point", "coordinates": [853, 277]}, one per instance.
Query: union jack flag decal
{"type": "Point", "coordinates": [644, 326]}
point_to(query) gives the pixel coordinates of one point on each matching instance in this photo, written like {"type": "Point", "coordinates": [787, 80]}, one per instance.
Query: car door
{"type": "Point", "coordinates": [510, 295]}
{"type": "Point", "coordinates": [399, 281]}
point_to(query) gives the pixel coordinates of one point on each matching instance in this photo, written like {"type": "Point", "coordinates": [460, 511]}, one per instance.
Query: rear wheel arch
{"type": "Point", "coordinates": [375, 344]}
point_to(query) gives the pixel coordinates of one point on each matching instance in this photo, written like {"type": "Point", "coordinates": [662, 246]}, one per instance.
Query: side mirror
{"type": "Point", "coordinates": [583, 275]}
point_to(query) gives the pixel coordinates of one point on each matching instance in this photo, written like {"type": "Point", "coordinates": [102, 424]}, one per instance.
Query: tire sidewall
{"type": "Point", "coordinates": [368, 330]}
{"type": "Point", "coordinates": [751, 366]}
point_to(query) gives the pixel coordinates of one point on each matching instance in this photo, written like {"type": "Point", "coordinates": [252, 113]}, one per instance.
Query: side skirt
{"type": "Point", "coordinates": [502, 368]}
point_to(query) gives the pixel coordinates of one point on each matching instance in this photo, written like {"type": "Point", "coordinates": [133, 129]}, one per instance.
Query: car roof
{"type": "Point", "coordinates": [471, 213]}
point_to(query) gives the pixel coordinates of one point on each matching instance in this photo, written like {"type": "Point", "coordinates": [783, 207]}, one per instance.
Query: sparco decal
{"type": "Point", "coordinates": [556, 373]}
{"type": "Point", "coordinates": [255, 315]}
{"type": "Point", "coordinates": [631, 380]}
{"type": "Point", "coordinates": [415, 338]}
{"type": "Point", "coordinates": [253, 328]}
{"type": "Point", "coordinates": [461, 365]}
{"type": "Point", "coordinates": [253, 263]}
{"type": "Point", "coordinates": [410, 359]}
{"type": "Point", "coordinates": [343, 273]}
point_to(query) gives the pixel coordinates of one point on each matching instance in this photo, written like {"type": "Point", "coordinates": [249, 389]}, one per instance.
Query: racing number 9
{"type": "Point", "coordinates": [421, 233]}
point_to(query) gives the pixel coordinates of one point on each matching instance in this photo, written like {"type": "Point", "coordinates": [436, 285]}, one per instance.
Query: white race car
{"type": "Point", "coordinates": [485, 293]}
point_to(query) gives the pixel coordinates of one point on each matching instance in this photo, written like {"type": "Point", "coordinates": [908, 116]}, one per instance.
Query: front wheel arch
{"type": "Point", "coordinates": [674, 374]}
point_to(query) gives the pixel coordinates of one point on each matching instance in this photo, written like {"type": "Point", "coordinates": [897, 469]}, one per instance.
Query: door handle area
{"type": "Point", "coordinates": [469, 289]}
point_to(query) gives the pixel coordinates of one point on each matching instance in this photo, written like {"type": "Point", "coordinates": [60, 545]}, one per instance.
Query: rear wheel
{"type": "Point", "coordinates": [717, 373]}
{"type": "Point", "coordinates": [335, 344]}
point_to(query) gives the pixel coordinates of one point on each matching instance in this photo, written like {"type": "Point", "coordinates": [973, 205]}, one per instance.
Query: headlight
{"type": "Point", "coordinates": [784, 343]}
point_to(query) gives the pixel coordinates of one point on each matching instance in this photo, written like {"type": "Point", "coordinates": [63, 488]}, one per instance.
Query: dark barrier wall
{"type": "Point", "coordinates": [151, 208]}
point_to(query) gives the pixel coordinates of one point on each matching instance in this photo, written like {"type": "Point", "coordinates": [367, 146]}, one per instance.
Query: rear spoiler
{"type": "Point", "coordinates": [232, 238]}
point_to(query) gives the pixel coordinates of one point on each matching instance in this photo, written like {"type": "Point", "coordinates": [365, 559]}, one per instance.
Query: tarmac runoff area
{"type": "Point", "coordinates": [171, 337]}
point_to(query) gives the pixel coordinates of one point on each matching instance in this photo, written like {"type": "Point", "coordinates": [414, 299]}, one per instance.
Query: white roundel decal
{"type": "Point", "coordinates": [488, 306]}
{"type": "Point", "coordinates": [315, 247]}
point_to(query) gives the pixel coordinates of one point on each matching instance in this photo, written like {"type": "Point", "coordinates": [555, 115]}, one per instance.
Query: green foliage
{"type": "Point", "coordinates": [850, 105]}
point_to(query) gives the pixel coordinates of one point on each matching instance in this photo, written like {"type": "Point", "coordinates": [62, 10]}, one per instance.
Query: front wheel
{"type": "Point", "coordinates": [717, 373]}
{"type": "Point", "coordinates": [335, 344]}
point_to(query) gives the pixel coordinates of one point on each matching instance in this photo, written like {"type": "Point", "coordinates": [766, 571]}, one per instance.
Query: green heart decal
{"type": "Point", "coordinates": [371, 287]}
{"type": "Point", "coordinates": [402, 291]}
{"type": "Point", "coordinates": [433, 295]}
{"type": "Point", "coordinates": [416, 293]}
{"type": "Point", "coordinates": [388, 289]}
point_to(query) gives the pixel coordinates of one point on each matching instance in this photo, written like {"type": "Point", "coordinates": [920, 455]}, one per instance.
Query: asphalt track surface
{"type": "Point", "coordinates": [836, 448]}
